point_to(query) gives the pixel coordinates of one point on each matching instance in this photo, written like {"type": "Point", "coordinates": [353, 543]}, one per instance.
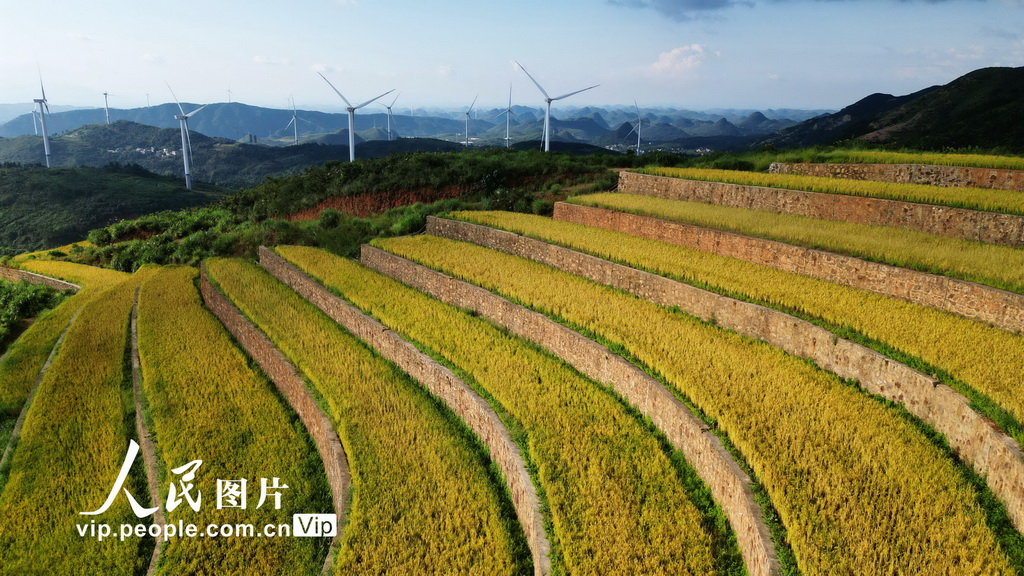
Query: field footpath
{"type": "Point", "coordinates": [976, 439]}
{"type": "Point", "coordinates": [292, 387]}
{"type": "Point", "coordinates": [962, 223]}
{"type": "Point", "coordinates": [729, 484]}
{"type": "Point", "coordinates": [441, 382]}
{"type": "Point", "coordinates": [1000, 308]}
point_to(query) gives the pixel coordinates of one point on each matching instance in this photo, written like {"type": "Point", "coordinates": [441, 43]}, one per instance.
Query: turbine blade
{"type": "Point", "coordinates": [510, 96]}
{"type": "Point", "coordinates": [635, 105]}
{"type": "Point", "coordinates": [289, 124]}
{"type": "Point", "coordinates": [371, 100]}
{"type": "Point", "coordinates": [175, 98]}
{"type": "Point", "coordinates": [193, 113]}
{"type": "Point", "coordinates": [576, 92]}
{"type": "Point", "coordinates": [395, 100]}
{"type": "Point", "coordinates": [473, 104]}
{"type": "Point", "coordinates": [539, 87]}
{"type": "Point", "coordinates": [188, 138]}
{"type": "Point", "coordinates": [347, 103]}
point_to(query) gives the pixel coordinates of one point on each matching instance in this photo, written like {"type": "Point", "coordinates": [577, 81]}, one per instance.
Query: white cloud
{"type": "Point", "coordinates": [681, 61]}
{"type": "Point", "coordinates": [321, 68]}
{"type": "Point", "coordinates": [152, 58]}
{"type": "Point", "coordinates": [444, 71]}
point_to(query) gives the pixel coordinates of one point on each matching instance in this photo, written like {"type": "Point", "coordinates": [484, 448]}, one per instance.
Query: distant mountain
{"type": "Point", "coordinates": [219, 161]}
{"type": "Point", "coordinates": [983, 109]}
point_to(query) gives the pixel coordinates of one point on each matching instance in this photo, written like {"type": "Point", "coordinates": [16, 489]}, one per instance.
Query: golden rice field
{"type": "Point", "coordinates": [999, 266]}
{"type": "Point", "coordinates": [987, 359]}
{"type": "Point", "coordinates": [882, 157]}
{"type": "Point", "coordinates": [84, 276]}
{"type": "Point", "coordinates": [616, 504]}
{"type": "Point", "coordinates": [215, 419]}
{"type": "Point", "coordinates": [991, 200]}
{"type": "Point", "coordinates": [71, 446]}
{"type": "Point", "coordinates": [860, 490]}
{"type": "Point", "coordinates": [422, 499]}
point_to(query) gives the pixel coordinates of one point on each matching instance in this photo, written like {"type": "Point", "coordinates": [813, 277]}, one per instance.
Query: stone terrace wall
{"type": "Point", "coordinates": [729, 485]}
{"type": "Point", "coordinates": [466, 403]}
{"type": "Point", "coordinates": [990, 227]}
{"type": "Point", "coordinates": [293, 388]}
{"type": "Point", "coordinates": [16, 275]}
{"type": "Point", "coordinates": [935, 175]}
{"type": "Point", "coordinates": [977, 440]}
{"type": "Point", "coordinates": [976, 301]}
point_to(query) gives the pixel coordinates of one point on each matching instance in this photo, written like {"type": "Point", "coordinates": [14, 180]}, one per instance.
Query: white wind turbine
{"type": "Point", "coordinates": [106, 107]}
{"type": "Point", "coordinates": [391, 116]}
{"type": "Point", "coordinates": [639, 122]}
{"type": "Point", "coordinates": [352, 116]}
{"type": "Point", "coordinates": [35, 122]}
{"type": "Point", "coordinates": [43, 109]}
{"type": "Point", "coordinates": [549, 100]}
{"type": "Point", "coordinates": [186, 141]}
{"type": "Point", "coordinates": [468, 112]}
{"type": "Point", "coordinates": [294, 122]}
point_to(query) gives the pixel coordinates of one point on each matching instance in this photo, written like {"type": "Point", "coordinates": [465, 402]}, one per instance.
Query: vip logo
{"type": "Point", "coordinates": [314, 525]}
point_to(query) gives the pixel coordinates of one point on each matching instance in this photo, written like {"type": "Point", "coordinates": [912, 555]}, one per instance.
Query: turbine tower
{"type": "Point", "coordinates": [468, 112]}
{"type": "Point", "coordinates": [294, 121]}
{"type": "Point", "coordinates": [106, 107]}
{"type": "Point", "coordinates": [352, 116]}
{"type": "Point", "coordinates": [43, 109]}
{"type": "Point", "coordinates": [391, 116]}
{"type": "Point", "coordinates": [186, 141]}
{"type": "Point", "coordinates": [639, 122]}
{"type": "Point", "coordinates": [549, 100]}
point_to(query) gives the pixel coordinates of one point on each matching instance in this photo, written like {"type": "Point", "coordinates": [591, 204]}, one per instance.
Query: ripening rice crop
{"type": "Point", "coordinates": [860, 490]}
{"type": "Point", "coordinates": [422, 499]}
{"type": "Point", "coordinates": [71, 448]}
{"type": "Point", "coordinates": [616, 503]}
{"type": "Point", "coordinates": [84, 276]}
{"type": "Point", "coordinates": [985, 358]}
{"type": "Point", "coordinates": [206, 403]}
{"type": "Point", "coordinates": [973, 198]}
{"type": "Point", "coordinates": [881, 157]}
{"type": "Point", "coordinates": [999, 266]}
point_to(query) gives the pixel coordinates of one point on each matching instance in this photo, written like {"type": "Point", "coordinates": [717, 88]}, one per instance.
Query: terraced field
{"type": "Point", "coordinates": [849, 483]}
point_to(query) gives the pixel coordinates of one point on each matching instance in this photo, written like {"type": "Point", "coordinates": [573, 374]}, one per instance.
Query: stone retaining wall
{"type": "Point", "coordinates": [729, 485]}
{"type": "Point", "coordinates": [990, 227]}
{"type": "Point", "coordinates": [977, 440]}
{"type": "Point", "coordinates": [935, 175]}
{"type": "Point", "coordinates": [443, 383]}
{"type": "Point", "coordinates": [288, 382]}
{"type": "Point", "coordinates": [16, 275]}
{"type": "Point", "coordinates": [1000, 308]}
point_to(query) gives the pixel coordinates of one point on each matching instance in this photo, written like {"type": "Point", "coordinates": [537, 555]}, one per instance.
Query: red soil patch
{"type": "Point", "coordinates": [376, 203]}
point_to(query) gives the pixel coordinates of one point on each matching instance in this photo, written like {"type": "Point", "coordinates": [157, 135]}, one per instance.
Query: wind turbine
{"type": "Point", "coordinates": [549, 100]}
{"type": "Point", "coordinates": [639, 122]}
{"type": "Point", "coordinates": [468, 112]}
{"type": "Point", "coordinates": [352, 116]}
{"type": "Point", "coordinates": [186, 141]}
{"type": "Point", "coordinates": [106, 107]}
{"type": "Point", "coordinates": [43, 109]}
{"type": "Point", "coordinates": [294, 121]}
{"type": "Point", "coordinates": [508, 118]}
{"type": "Point", "coordinates": [390, 114]}
{"type": "Point", "coordinates": [35, 122]}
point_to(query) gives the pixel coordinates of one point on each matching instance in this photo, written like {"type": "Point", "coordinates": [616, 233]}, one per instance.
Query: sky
{"type": "Point", "coordinates": [694, 54]}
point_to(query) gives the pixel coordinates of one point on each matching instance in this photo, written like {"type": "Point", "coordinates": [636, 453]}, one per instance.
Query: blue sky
{"type": "Point", "coordinates": [696, 54]}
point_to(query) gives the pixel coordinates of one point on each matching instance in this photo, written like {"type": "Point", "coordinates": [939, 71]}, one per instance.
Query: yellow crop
{"type": "Point", "coordinates": [84, 276]}
{"type": "Point", "coordinates": [422, 500]}
{"type": "Point", "coordinates": [973, 198]}
{"type": "Point", "coordinates": [860, 490]}
{"type": "Point", "coordinates": [985, 358]}
{"type": "Point", "coordinates": [71, 448]}
{"type": "Point", "coordinates": [1000, 266]}
{"type": "Point", "coordinates": [880, 157]}
{"type": "Point", "coordinates": [616, 504]}
{"type": "Point", "coordinates": [206, 403]}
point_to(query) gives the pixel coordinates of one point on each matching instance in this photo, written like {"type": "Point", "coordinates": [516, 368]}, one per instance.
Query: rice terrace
{"type": "Point", "coordinates": [679, 371]}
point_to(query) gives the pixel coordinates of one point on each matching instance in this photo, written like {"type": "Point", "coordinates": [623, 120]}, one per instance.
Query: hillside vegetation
{"type": "Point", "coordinates": [43, 208]}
